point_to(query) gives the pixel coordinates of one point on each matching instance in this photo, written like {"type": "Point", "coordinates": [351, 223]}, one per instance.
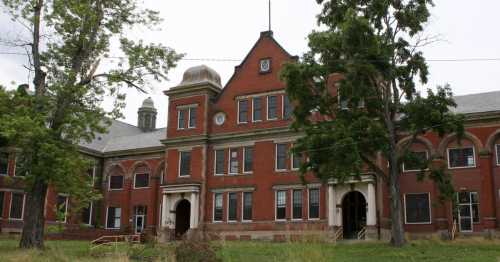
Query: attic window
{"type": "Point", "coordinates": [265, 65]}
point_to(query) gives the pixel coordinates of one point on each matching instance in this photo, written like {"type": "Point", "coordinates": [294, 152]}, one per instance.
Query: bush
{"type": "Point", "coordinates": [195, 251]}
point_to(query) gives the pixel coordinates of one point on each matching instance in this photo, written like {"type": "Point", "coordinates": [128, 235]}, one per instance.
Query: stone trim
{"type": "Point", "coordinates": [233, 189]}
{"type": "Point", "coordinates": [277, 92]}
{"type": "Point", "coordinates": [186, 106]}
{"type": "Point", "coordinates": [366, 178]}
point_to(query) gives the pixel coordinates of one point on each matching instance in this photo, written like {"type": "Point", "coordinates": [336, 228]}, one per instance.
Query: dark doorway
{"type": "Point", "coordinates": [353, 214]}
{"type": "Point", "coordinates": [182, 218]}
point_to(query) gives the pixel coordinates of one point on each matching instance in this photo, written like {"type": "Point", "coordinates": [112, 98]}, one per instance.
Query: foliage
{"type": "Point", "coordinates": [195, 251]}
{"type": "Point", "coordinates": [70, 82]}
{"type": "Point", "coordinates": [355, 94]}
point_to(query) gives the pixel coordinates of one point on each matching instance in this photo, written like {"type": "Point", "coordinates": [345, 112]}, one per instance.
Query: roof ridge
{"type": "Point", "coordinates": [481, 93]}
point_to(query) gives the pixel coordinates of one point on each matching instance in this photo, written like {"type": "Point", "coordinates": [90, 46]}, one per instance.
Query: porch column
{"type": "Point", "coordinates": [331, 206]}
{"type": "Point", "coordinates": [164, 211]}
{"type": "Point", "coordinates": [371, 218]}
{"type": "Point", "coordinates": [193, 223]}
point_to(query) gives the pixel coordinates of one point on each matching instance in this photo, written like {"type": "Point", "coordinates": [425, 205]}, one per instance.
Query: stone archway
{"type": "Point", "coordinates": [353, 214]}
{"type": "Point", "coordinates": [182, 218]}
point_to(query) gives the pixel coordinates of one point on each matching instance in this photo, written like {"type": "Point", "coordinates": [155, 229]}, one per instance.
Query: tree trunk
{"type": "Point", "coordinates": [34, 219]}
{"type": "Point", "coordinates": [397, 229]}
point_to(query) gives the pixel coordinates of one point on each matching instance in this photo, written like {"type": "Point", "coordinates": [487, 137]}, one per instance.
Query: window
{"type": "Point", "coordinates": [281, 156]}
{"type": "Point", "coordinates": [257, 109]}
{"type": "Point", "coordinates": [417, 208]}
{"type": "Point", "coordinates": [243, 111]}
{"type": "Point", "coordinates": [181, 119]}
{"type": "Point", "coordinates": [218, 208]}
{"type": "Point", "coordinates": [192, 117]}
{"type": "Point", "coordinates": [185, 163]}
{"type": "Point", "coordinates": [2, 196]}
{"type": "Point", "coordinates": [468, 210]}
{"type": "Point", "coordinates": [219, 162]}
{"type": "Point", "coordinates": [296, 161]}
{"type": "Point", "coordinates": [461, 157]}
{"type": "Point", "coordinates": [116, 182]}
{"type": "Point", "coordinates": [87, 214]}
{"type": "Point", "coordinates": [91, 174]}
{"type": "Point", "coordinates": [248, 159]}
{"type": "Point", "coordinates": [141, 180]}
{"type": "Point", "coordinates": [272, 107]}
{"type": "Point", "coordinates": [498, 154]}
{"type": "Point", "coordinates": [297, 204]}
{"type": "Point", "coordinates": [114, 217]}
{"type": "Point", "coordinates": [416, 161]}
{"type": "Point", "coordinates": [247, 206]}
{"type": "Point", "coordinates": [16, 206]}
{"type": "Point", "coordinates": [314, 203]}
{"type": "Point", "coordinates": [233, 161]}
{"type": "Point", "coordinates": [4, 163]}
{"type": "Point", "coordinates": [20, 166]}
{"type": "Point", "coordinates": [287, 108]}
{"type": "Point", "coordinates": [62, 208]}
{"type": "Point", "coordinates": [280, 205]}
{"type": "Point", "coordinates": [232, 206]}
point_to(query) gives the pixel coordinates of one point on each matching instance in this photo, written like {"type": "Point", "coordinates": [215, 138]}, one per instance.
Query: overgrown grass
{"type": "Point", "coordinates": [431, 250]}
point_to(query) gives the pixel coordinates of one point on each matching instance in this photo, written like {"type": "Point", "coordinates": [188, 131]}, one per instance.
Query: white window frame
{"type": "Point", "coordinates": [65, 208]}
{"type": "Point", "coordinates": [214, 206]}
{"type": "Point", "coordinates": [227, 205]}
{"type": "Point", "coordinates": [116, 189]}
{"type": "Point", "coordinates": [283, 107]}
{"type": "Point", "coordinates": [22, 208]}
{"type": "Point", "coordinates": [179, 119]}
{"type": "Point", "coordinates": [302, 204]}
{"type": "Point", "coordinates": [215, 161]}
{"type": "Point", "coordinates": [267, 107]}
{"type": "Point", "coordinates": [135, 174]}
{"type": "Point", "coordinates": [430, 209]}
{"type": "Point", "coordinates": [107, 211]}
{"type": "Point", "coordinates": [238, 116]}
{"type": "Point", "coordinates": [189, 118]}
{"type": "Point", "coordinates": [229, 161]}
{"type": "Point", "coordinates": [292, 158]}
{"type": "Point", "coordinates": [309, 204]}
{"type": "Point", "coordinates": [243, 207]}
{"type": "Point", "coordinates": [276, 205]}
{"type": "Point", "coordinates": [464, 147]}
{"type": "Point", "coordinates": [253, 108]}
{"type": "Point", "coordinates": [179, 166]}
{"type": "Point", "coordinates": [276, 158]}
{"type": "Point", "coordinates": [90, 213]}
{"type": "Point", "coordinates": [8, 165]}
{"type": "Point", "coordinates": [497, 150]}
{"type": "Point", "coordinates": [244, 155]}
{"type": "Point", "coordinates": [417, 170]}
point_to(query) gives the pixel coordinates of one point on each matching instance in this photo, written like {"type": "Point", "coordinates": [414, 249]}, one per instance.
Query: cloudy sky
{"type": "Point", "coordinates": [227, 29]}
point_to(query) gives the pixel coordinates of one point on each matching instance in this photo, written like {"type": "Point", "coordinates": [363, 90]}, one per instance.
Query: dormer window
{"type": "Point", "coordinates": [265, 65]}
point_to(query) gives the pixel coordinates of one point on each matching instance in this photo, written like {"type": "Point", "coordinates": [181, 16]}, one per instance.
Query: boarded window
{"type": "Point", "coordinates": [141, 180]}
{"type": "Point", "coordinates": [232, 206]}
{"type": "Point", "coordinates": [257, 108]}
{"type": "Point", "coordinates": [247, 206]}
{"type": "Point", "coordinates": [314, 203]}
{"type": "Point", "coordinates": [281, 205]}
{"type": "Point", "coordinates": [16, 206]}
{"type": "Point", "coordinates": [272, 107]}
{"type": "Point", "coordinates": [114, 217]}
{"type": "Point", "coordinates": [281, 156]}
{"type": "Point", "coordinates": [243, 111]}
{"type": "Point", "coordinates": [218, 207]}
{"type": "Point", "coordinates": [185, 164]}
{"type": "Point", "coordinates": [461, 157]}
{"type": "Point", "coordinates": [219, 162]}
{"type": "Point", "coordinates": [248, 163]}
{"type": "Point", "coordinates": [116, 182]}
{"type": "Point", "coordinates": [417, 208]}
{"type": "Point", "coordinates": [297, 204]}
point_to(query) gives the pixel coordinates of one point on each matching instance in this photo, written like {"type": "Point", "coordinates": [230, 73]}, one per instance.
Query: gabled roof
{"type": "Point", "coordinates": [477, 103]}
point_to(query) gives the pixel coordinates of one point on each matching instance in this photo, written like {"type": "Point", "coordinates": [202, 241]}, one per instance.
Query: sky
{"type": "Point", "coordinates": [227, 29]}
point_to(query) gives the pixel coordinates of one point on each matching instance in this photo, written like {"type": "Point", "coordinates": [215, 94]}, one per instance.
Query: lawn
{"type": "Point", "coordinates": [460, 250]}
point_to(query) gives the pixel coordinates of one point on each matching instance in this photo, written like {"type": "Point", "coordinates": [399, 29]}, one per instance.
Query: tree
{"type": "Point", "coordinates": [371, 102]}
{"type": "Point", "coordinates": [69, 86]}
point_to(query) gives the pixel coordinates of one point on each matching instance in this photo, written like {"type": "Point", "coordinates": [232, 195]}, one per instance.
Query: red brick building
{"type": "Point", "coordinates": [222, 167]}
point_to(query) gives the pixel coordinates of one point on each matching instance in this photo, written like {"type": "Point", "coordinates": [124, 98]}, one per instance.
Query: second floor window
{"type": "Point", "coordinates": [116, 182]}
{"type": "Point", "coordinates": [272, 112]}
{"type": "Point", "coordinates": [218, 207]}
{"type": "Point", "coordinates": [219, 162]}
{"type": "Point", "coordinates": [192, 117]}
{"type": "Point", "coordinates": [233, 161]}
{"type": "Point", "coordinates": [280, 205]}
{"type": "Point", "coordinates": [185, 163]}
{"type": "Point", "coordinates": [257, 109]}
{"type": "Point", "coordinates": [243, 111]}
{"type": "Point", "coordinates": [416, 161]}
{"type": "Point", "coordinates": [182, 119]}
{"type": "Point", "coordinates": [281, 156]}
{"type": "Point", "coordinates": [461, 157]}
{"type": "Point", "coordinates": [4, 163]}
{"type": "Point", "coordinates": [248, 159]}
{"type": "Point", "coordinates": [287, 108]}
{"type": "Point", "coordinates": [187, 118]}
{"type": "Point", "coordinates": [141, 180]}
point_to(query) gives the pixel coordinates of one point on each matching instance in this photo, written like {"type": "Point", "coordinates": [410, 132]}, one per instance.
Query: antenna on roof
{"type": "Point", "coordinates": [269, 15]}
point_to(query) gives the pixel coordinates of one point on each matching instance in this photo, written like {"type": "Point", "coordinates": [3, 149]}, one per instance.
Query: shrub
{"type": "Point", "coordinates": [195, 251]}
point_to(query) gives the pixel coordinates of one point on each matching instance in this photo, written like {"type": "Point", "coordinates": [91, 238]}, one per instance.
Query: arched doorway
{"type": "Point", "coordinates": [182, 218]}
{"type": "Point", "coordinates": [353, 214]}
